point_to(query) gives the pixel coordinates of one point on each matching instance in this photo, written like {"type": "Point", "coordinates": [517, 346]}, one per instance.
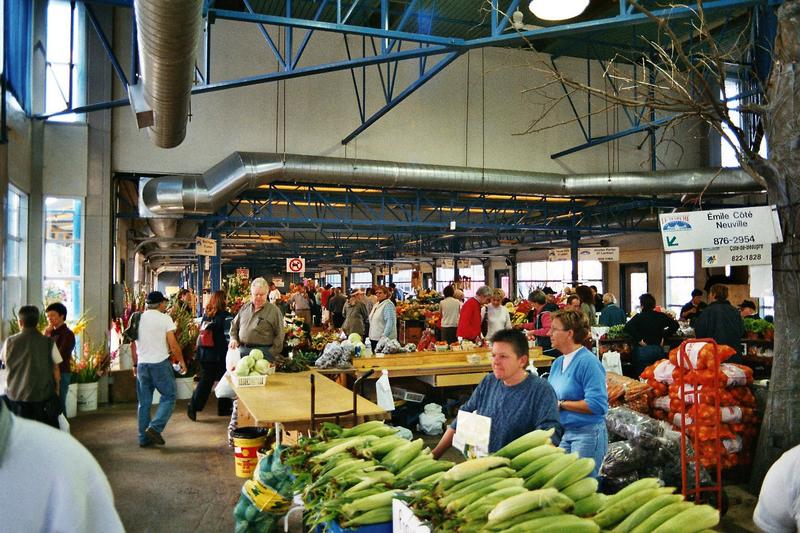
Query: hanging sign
{"type": "Point", "coordinates": [722, 227]}
{"type": "Point", "coordinates": [446, 263]}
{"type": "Point", "coordinates": [395, 270]}
{"type": "Point", "coordinates": [603, 254]}
{"type": "Point", "coordinates": [746, 254]}
{"type": "Point", "coordinates": [464, 263]}
{"type": "Point", "coordinates": [295, 265]}
{"type": "Point", "coordinates": [205, 246]}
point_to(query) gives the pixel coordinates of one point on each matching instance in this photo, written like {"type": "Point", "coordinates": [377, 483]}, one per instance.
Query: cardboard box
{"type": "Point", "coordinates": [122, 386]}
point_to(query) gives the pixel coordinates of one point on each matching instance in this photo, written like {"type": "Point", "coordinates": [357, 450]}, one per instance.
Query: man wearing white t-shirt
{"type": "Point", "coordinates": [155, 339]}
{"type": "Point", "coordinates": [778, 509]}
{"type": "Point", "coordinates": [50, 482]}
{"type": "Point", "coordinates": [274, 293]}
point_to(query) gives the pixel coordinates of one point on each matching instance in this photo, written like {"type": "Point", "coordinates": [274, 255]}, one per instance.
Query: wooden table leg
{"type": "Point", "coordinates": [243, 416]}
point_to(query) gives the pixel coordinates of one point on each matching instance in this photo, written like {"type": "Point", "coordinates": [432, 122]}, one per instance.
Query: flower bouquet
{"type": "Point", "coordinates": [186, 332]}
{"type": "Point", "coordinates": [92, 364]}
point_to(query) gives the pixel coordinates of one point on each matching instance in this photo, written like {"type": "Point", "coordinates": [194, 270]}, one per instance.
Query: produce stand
{"type": "Point", "coordinates": [445, 369]}
{"type": "Point", "coordinates": [367, 478]}
{"type": "Point", "coordinates": [286, 399]}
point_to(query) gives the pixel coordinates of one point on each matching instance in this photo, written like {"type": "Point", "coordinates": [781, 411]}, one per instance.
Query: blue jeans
{"type": "Point", "coordinates": [66, 377]}
{"type": "Point", "coordinates": [587, 441]}
{"type": "Point", "coordinates": [149, 377]}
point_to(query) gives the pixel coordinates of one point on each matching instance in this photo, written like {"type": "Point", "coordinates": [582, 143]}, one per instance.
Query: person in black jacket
{"type": "Point", "coordinates": [211, 358]}
{"type": "Point", "coordinates": [648, 329]}
{"type": "Point", "coordinates": [721, 321]}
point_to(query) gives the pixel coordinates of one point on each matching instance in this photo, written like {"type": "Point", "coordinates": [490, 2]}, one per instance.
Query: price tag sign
{"type": "Point", "coordinates": [720, 228]}
{"type": "Point", "coordinates": [747, 254]}
{"type": "Point", "coordinates": [472, 430]}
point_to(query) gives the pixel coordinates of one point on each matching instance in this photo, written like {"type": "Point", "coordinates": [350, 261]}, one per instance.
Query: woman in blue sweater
{"type": "Point", "coordinates": [580, 384]}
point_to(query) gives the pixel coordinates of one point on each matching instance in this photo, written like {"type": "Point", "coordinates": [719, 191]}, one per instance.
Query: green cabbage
{"type": "Point", "coordinates": [354, 338]}
{"type": "Point", "coordinates": [256, 354]}
{"type": "Point", "coordinates": [262, 366]}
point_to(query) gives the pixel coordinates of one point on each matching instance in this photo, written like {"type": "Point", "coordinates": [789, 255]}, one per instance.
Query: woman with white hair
{"type": "Point", "coordinates": [497, 317]}
{"type": "Point", "coordinates": [611, 315]}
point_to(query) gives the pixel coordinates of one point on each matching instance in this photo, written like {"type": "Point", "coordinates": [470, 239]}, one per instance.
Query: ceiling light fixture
{"type": "Point", "coordinates": [557, 9]}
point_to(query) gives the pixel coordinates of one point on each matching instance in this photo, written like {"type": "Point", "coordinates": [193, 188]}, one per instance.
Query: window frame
{"type": "Point", "coordinates": [78, 298]}
{"type": "Point", "coordinates": [668, 277]}
{"type": "Point", "coordinates": [73, 95]}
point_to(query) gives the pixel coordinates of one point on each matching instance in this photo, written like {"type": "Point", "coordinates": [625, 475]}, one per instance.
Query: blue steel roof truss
{"type": "Point", "coordinates": [417, 24]}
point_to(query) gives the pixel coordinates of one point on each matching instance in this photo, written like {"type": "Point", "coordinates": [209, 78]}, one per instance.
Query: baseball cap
{"type": "Point", "coordinates": [748, 304]}
{"type": "Point", "coordinates": [155, 297]}
{"type": "Point", "coordinates": [548, 290]}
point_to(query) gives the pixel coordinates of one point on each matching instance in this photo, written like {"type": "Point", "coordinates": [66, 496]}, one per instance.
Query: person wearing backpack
{"type": "Point", "coordinates": [211, 350]}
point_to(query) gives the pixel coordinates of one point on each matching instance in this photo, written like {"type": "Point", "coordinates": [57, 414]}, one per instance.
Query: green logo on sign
{"type": "Point", "coordinates": [672, 241]}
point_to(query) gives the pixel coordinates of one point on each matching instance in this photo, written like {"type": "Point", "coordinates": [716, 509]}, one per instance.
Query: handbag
{"type": "Point", "coordinates": [206, 337]}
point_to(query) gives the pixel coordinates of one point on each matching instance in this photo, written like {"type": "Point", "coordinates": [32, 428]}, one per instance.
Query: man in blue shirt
{"type": "Point", "coordinates": [516, 401]}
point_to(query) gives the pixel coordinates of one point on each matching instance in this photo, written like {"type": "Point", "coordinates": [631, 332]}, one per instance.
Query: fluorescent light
{"type": "Point", "coordinates": [557, 9]}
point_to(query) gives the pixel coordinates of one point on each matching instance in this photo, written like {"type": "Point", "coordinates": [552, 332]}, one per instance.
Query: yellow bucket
{"type": "Point", "coordinates": [246, 443]}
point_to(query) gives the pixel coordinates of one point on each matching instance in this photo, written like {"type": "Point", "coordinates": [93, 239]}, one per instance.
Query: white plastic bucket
{"type": "Point", "coordinates": [72, 400]}
{"type": "Point", "coordinates": [87, 397]}
{"type": "Point", "coordinates": [184, 387]}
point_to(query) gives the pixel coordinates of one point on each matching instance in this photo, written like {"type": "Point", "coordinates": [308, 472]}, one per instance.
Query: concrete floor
{"type": "Point", "coordinates": [189, 484]}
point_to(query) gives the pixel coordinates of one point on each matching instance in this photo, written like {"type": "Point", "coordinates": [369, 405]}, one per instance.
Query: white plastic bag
{"type": "Point", "coordinates": [431, 419]}
{"type": "Point", "coordinates": [232, 358]}
{"type": "Point", "coordinates": [612, 362]}
{"type": "Point", "coordinates": [383, 390]}
{"type": "Point", "coordinates": [63, 423]}
{"type": "Point", "coordinates": [224, 388]}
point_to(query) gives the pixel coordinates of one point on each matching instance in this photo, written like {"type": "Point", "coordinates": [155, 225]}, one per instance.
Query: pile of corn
{"type": "Point", "coordinates": [353, 478]}
{"type": "Point", "coordinates": [532, 486]}
{"type": "Point", "coordinates": [527, 486]}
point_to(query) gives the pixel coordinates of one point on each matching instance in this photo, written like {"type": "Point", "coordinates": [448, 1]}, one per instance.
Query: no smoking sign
{"type": "Point", "coordinates": [295, 265]}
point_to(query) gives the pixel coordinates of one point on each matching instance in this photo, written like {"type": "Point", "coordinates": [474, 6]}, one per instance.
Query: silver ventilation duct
{"type": "Point", "coordinates": [176, 195]}
{"type": "Point", "coordinates": [168, 34]}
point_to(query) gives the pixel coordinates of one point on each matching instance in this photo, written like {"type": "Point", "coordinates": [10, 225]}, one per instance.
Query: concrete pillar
{"type": "Point", "coordinates": [216, 266]}
{"type": "Point", "coordinates": [512, 274]}
{"type": "Point", "coordinates": [98, 236]}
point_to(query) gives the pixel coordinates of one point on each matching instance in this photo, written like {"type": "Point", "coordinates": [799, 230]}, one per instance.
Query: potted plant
{"type": "Point", "coordinates": [86, 372]}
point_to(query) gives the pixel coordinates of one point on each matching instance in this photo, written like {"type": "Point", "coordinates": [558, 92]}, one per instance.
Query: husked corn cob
{"type": "Point", "coordinates": [692, 520]}
{"type": "Point", "coordinates": [362, 428]}
{"type": "Point", "coordinates": [574, 472]}
{"type": "Point", "coordinates": [375, 516]}
{"type": "Point", "coordinates": [398, 458]}
{"type": "Point", "coordinates": [526, 442]}
{"type": "Point", "coordinates": [661, 516]}
{"type": "Point", "coordinates": [369, 503]}
{"type": "Point", "coordinates": [581, 489]}
{"type": "Point", "coordinates": [617, 512]}
{"type": "Point", "coordinates": [589, 505]}
{"type": "Point", "coordinates": [473, 467]}
{"type": "Point", "coordinates": [534, 466]}
{"type": "Point", "coordinates": [495, 473]}
{"type": "Point", "coordinates": [636, 486]}
{"type": "Point", "coordinates": [480, 492]}
{"type": "Point", "coordinates": [544, 475]}
{"type": "Point", "coordinates": [522, 503]}
{"type": "Point", "coordinates": [527, 457]}
{"type": "Point", "coordinates": [642, 513]}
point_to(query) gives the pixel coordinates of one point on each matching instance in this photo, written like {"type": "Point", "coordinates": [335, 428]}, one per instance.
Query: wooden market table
{"type": "Point", "coordinates": [286, 399]}
{"type": "Point", "coordinates": [440, 369]}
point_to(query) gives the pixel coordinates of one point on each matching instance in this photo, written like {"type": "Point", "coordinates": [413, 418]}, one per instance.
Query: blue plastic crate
{"type": "Point", "coordinates": [385, 527]}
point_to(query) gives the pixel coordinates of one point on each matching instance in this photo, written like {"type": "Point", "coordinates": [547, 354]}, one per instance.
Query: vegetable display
{"type": "Point", "coordinates": [351, 477]}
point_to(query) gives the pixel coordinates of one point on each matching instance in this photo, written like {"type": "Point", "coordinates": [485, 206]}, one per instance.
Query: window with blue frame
{"type": "Point", "coordinates": [64, 80]}
{"type": "Point", "coordinates": [16, 257]}
{"type": "Point", "coordinates": [63, 253]}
